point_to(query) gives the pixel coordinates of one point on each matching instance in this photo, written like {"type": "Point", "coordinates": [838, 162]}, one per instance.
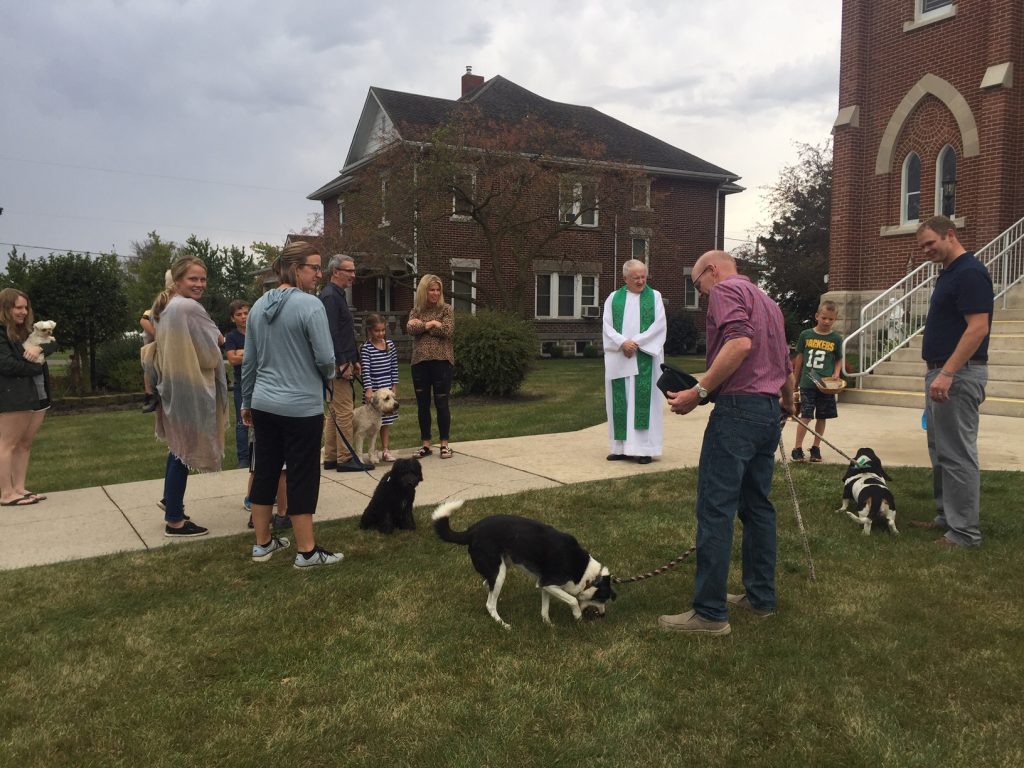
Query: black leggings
{"type": "Point", "coordinates": [433, 375]}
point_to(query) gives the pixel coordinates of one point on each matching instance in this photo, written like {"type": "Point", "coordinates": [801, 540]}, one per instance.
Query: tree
{"type": "Point", "coordinates": [230, 274]}
{"type": "Point", "coordinates": [16, 275]}
{"type": "Point", "coordinates": [519, 186]}
{"type": "Point", "coordinates": [792, 259]}
{"type": "Point", "coordinates": [86, 297]}
{"type": "Point", "coordinates": [144, 270]}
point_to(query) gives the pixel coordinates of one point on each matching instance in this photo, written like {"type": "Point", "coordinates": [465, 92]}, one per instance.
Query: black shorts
{"type": "Point", "coordinates": [292, 440]}
{"type": "Point", "coordinates": [816, 404]}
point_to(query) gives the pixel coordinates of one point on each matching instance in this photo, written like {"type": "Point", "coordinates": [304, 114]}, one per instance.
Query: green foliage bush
{"type": "Point", "coordinates": [492, 353]}
{"type": "Point", "coordinates": [681, 338]}
{"type": "Point", "coordinates": [556, 351]}
{"type": "Point", "coordinates": [591, 351]}
{"type": "Point", "coordinates": [117, 364]}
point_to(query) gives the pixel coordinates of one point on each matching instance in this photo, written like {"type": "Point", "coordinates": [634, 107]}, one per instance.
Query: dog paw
{"type": "Point", "coordinates": [592, 612]}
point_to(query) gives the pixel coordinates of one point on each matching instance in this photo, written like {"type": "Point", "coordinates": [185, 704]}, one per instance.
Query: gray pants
{"type": "Point", "coordinates": [953, 448]}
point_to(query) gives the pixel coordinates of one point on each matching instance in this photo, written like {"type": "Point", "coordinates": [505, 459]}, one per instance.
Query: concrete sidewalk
{"type": "Point", "coordinates": [95, 521]}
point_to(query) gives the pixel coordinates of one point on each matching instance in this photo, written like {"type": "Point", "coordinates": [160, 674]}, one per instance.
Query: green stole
{"type": "Point", "coordinates": [642, 394]}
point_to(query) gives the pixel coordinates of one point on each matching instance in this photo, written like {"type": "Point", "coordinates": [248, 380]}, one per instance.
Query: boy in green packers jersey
{"type": "Point", "coordinates": [819, 355]}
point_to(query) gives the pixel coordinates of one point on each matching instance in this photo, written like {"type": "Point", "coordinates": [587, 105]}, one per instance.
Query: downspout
{"type": "Point", "coordinates": [615, 251]}
{"type": "Point", "coordinates": [718, 206]}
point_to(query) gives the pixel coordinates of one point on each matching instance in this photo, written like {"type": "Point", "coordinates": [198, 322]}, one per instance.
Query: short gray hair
{"type": "Point", "coordinates": [632, 264]}
{"type": "Point", "coordinates": [337, 260]}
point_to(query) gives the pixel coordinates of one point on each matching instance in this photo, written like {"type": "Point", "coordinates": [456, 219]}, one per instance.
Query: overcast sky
{"type": "Point", "coordinates": [218, 117]}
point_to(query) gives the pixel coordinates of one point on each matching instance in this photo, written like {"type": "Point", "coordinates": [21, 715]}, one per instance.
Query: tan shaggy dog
{"type": "Point", "coordinates": [366, 421]}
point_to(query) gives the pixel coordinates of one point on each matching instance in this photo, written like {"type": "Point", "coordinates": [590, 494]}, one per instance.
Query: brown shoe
{"type": "Point", "coordinates": [928, 525]}
{"type": "Point", "coordinates": [944, 542]}
{"type": "Point", "coordinates": [741, 601]}
{"type": "Point", "coordinates": [693, 623]}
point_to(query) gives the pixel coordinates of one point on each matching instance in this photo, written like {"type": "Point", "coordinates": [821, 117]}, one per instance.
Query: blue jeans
{"type": "Point", "coordinates": [735, 476]}
{"type": "Point", "coordinates": [175, 480]}
{"type": "Point", "coordinates": [241, 431]}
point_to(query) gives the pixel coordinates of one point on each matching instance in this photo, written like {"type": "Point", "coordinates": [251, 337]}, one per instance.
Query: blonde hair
{"type": "Point", "coordinates": [292, 257]}
{"type": "Point", "coordinates": [421, 301]}
{"type": "Point", "coordinates": [828, 306]}
{"type": "Point", "coordinates": [8, 298]}
{"type": "Point", "coordinates": [177, 270]}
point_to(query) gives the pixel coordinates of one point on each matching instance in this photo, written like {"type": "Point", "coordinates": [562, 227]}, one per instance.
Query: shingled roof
{"type": "Point", "coordinates": [415, 117]}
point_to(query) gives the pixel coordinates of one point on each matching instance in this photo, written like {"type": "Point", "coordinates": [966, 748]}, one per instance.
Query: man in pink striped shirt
{"type": "Point", "coordinates": [748, 381]}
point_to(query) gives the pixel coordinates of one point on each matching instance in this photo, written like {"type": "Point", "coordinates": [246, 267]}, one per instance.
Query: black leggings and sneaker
{"type": "Point", "coordinates": [433, 376]}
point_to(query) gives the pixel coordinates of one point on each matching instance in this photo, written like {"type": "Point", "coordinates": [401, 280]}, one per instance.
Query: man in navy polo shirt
{"type": "Point", "coordinates": [955, 349]}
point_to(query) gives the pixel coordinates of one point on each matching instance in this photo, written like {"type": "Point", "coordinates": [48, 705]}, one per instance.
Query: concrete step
{"type": "Point", "coordinates": [1008, 389]}
{"type": "Point", "coordinates": [1007, 314]}
{"type": "Point", "coordinates": [995, 356]}
{"type": "Point", "coordinates": [1006, 341]}
{"type": "Point", "coordinates": [1010, 373]}
{"type": "Point", "coordinates": [993, 406]}
{"type": "Point", "coordinates": [1005, 326]}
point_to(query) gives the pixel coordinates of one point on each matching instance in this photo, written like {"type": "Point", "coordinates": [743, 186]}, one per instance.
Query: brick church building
{"type": "Point", "coordinates": [931, 120]}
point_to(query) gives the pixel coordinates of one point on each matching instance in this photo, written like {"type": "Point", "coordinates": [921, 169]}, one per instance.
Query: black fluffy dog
{"type": "Point", "coordinates": [391, 505]}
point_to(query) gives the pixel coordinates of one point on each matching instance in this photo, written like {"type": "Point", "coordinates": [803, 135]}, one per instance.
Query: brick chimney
{"type": "Point", "coordinates": [470, 81]}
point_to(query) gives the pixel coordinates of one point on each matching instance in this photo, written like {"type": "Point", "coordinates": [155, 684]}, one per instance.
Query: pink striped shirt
{"type": "Point", "coordinates": [738, 308]}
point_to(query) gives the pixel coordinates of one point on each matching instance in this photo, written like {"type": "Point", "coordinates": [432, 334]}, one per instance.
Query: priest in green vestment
{"type": "Point", "coordinates": [634, 342]}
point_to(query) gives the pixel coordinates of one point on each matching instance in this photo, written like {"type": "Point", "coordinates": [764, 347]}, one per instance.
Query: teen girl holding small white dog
{"type": "Point", "coordinates": [379, 359]}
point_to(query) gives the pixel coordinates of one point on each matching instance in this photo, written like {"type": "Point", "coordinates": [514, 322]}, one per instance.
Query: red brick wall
{"type": "Point", "coordinates": [880, 63]}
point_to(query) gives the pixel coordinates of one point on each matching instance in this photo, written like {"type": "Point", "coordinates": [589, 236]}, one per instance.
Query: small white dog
{"type": "Point", "coordinates": [366, 420]}
{"type": "Point", "coordinates": [42, 333]}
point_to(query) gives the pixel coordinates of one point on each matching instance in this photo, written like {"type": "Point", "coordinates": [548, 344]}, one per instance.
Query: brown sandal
{"type": "Point", "coordinates": [446, 452]}
{"type": "Point", "coordinates": [424, 451]}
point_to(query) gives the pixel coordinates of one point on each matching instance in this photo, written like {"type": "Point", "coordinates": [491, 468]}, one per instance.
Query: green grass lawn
{"type": "Point", "coordinates": [81, 450]}
{"type": "Point", "coordinates": [900, 654]}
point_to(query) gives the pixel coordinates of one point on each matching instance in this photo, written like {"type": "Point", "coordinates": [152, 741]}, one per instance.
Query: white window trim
{"type": "Point", "coordinates": [577, 204]}
{"type": "Point", "coordinates": [466, 265]}
{"type": "Point", "coordinates": [471, 172]}
{"type": "Point", "coordinates": [577, 296]}
{"type": "Point", "coordinates": [904, 192]}
{"type": "Point", "coordinates": [646, 206]}
{"type": "Point", "coordinates": [922, 19]}
{"type": "Point", "coordinates": [938, 177]}
{"type": "Point", "coordinates": [687, 287]}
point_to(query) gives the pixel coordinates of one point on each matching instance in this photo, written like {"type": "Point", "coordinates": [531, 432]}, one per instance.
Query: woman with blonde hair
{"type": "Point", "coordinates": [192, 388]}
{"type": "Point", "coordinates": [24, 396]}
{"type": "Point", "coordinates": [431, 324]}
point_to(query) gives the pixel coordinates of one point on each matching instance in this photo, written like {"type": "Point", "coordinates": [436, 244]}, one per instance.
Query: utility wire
{"type": "Point", "coordinates": [150, 175]}
{"type": "Point", "coordinates": [58, 250]}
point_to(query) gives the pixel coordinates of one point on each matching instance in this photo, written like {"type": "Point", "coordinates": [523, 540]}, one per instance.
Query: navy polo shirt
{"type": "Point", "coordinates": [962, 288]}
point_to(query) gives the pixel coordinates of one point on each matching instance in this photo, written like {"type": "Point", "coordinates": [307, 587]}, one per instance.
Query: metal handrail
{"type": "Point", "coordinates": [890, 320]}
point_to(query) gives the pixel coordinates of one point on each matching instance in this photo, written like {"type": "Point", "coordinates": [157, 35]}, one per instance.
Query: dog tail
{"type": "Point", "coordinates": [441, 524]}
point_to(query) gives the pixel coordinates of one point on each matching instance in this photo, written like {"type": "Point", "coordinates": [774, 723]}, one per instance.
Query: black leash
{"type": "Point", "coordinates": [351, 450]}
{"type": "Point", "coordinates": [656, 571]}
{"type": "Point", "coordinates": [823, 439]}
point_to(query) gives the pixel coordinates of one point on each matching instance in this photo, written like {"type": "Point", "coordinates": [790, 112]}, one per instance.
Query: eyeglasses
{"type": "Point", "coordinates": [695, 281]}
{"type": "Point", "coordinates": [315, 267]}
{"type": "Point", "coordinates": [344, 269]}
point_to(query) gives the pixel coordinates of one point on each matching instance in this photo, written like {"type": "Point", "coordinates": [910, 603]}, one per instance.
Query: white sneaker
{"type": "Point", "coordinates": [319, 557]}
{"type": "Point", "coordinates": [262, 554]}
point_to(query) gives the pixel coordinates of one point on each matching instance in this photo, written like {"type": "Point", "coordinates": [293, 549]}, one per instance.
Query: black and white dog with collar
{"type": "Point", "coordinates": [864, 485]}
{"type": "Point", "coordinates": [560, 567]}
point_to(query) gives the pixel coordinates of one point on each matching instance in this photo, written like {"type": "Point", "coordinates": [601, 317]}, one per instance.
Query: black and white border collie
{"type": "Point", "coordinates": [864, 485]}
{"type": "Point", "coordinates": [560, 567]}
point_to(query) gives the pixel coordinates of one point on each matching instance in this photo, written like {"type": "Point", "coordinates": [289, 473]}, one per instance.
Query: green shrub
{"type": "Point", "coordinates": [556, 351]}
{"type": "Point", "coordinates": [681, 338]}
{"type": "Point", "coordinates": [592, 351]}
{"type": "Point", "coordinates": [492, 353]}
{"type": "Point", "coordinates": [117, 365]}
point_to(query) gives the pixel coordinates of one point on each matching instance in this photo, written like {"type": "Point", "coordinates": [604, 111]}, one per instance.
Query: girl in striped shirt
{"type": "Point", "coordinates": [379, 359]}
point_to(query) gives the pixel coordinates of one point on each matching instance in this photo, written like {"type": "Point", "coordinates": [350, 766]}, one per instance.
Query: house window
{"type": "Point", "coordinates": [945, 182]}
{"type": "Point", "coordinates": [911, 197]}
{"type": "Point", "coordinates": [578, 203]}
{"type": "Point", "coordinates": [642, 193]}
{"type": "Point", "coordinates": [691, 296]}
{"type": "Point", "coordinates": [566, 296]}
{"type": "Point", "coordinates": [640, 249]}
{"type": "Point", "coordinates": [463, 293]}
{"type": "Point", "coordinates": [463, 194]}
{"type": "Point", "coordinates": [383, 294]}
{"type": "Point", "coordinates": [928, 12]}
{"type": "Point", "coordinates": [384, 201]}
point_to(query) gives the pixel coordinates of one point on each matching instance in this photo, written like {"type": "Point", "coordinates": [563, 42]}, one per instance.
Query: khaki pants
{"type": "Point", "coordinates": [339, 412]}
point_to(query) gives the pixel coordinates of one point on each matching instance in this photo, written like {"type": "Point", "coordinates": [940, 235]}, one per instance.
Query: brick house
{"type": "Point", "coordinates": [673, 210]}
{"type": "Point", "coordinates": [930, 121]}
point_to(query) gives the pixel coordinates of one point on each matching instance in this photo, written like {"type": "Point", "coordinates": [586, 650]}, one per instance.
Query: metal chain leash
{"type": "Point", "coordinates": [796, 509]}
{"type": "Point", "coordinates": [656, 571]}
